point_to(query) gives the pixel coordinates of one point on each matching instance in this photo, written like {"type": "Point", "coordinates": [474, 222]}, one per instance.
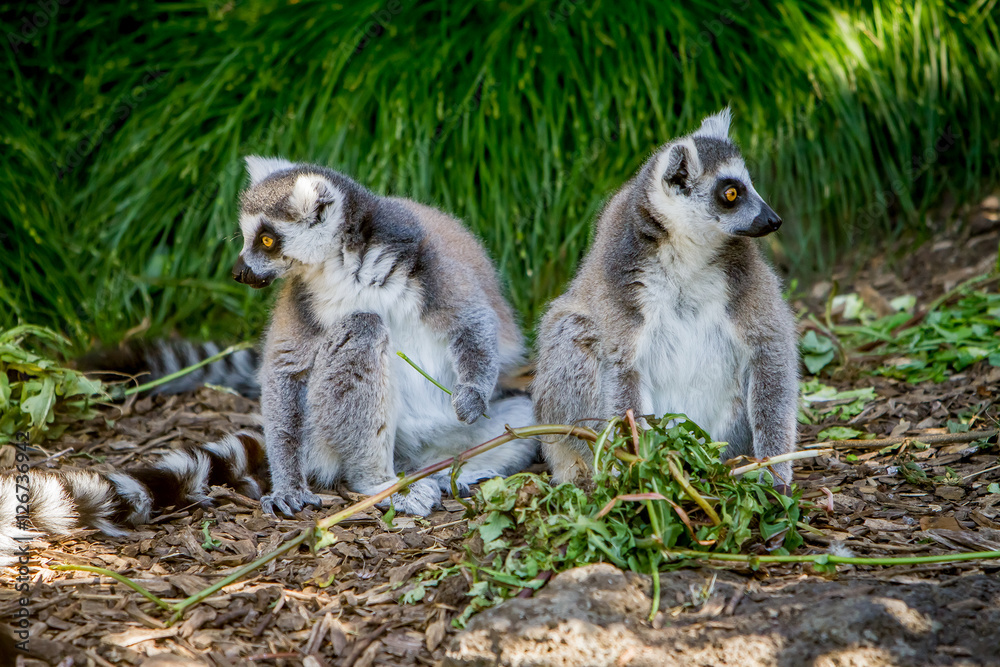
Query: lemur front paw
{"type": "Point", "coordinates": [469, 403]}
{"type": "Point", "coordinates": [421, 499]}
{"type": "Point", "coordinates": [290, 502]}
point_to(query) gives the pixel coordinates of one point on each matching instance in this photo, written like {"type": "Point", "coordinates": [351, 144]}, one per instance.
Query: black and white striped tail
{"type": "Point", "coordinates": [157, 359]}
{"type": "Point", "coordinates": [59, 502]}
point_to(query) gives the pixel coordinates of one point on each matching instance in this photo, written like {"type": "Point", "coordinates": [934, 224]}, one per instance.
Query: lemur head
{"type": "Point", "coordinates": [698, 187]}
{"type": "Point", "coordinates": [289, 215]}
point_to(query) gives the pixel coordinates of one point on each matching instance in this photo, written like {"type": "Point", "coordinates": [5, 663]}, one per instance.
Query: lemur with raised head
{"type": "Point", "coordinates": [674, 310]}
{"type": "Point", "coordinates": [364, 277]}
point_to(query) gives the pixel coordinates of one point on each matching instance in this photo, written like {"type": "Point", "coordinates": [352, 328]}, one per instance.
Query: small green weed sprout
{"type": "Point", "coordinates": [957, 330]}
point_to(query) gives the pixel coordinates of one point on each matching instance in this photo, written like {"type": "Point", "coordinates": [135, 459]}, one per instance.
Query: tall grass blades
{"type": "Point", "coordinates": [124, 125]}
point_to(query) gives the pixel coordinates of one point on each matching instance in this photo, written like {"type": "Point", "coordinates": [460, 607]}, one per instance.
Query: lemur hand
{"type": "Point", "coordinates": [290, 502]}
{"type": "Point", "coordinates": [469, 403]}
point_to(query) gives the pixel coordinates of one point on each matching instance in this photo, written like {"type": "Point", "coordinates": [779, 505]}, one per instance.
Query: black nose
{"type": "Point", "coordinates": [774, 222]}
{"type": "Point", "coordinates": [244, 274]}
{"type": "Point", "coordinates": [763, 224]}
{"type": "Point", "coordinates": [241, 271]}
{"type": "Point", "coordinates": [767, 219]}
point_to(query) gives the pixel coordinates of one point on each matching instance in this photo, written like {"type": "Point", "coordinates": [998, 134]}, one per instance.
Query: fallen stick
{"type": "Point", "coordinates": [879, 443]}
{"type": "Point", "coordinates": [791, 456]}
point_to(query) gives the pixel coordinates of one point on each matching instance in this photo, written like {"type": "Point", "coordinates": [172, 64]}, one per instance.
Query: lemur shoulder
{"type": "Point", "coordinates": [674, 310]}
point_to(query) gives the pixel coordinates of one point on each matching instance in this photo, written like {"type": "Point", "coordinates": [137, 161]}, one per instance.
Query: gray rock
{"type": "Point", "coordinates": [597, 616]}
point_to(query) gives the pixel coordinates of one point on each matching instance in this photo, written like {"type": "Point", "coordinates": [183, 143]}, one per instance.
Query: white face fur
{"type": "Point", "coordinates": [289, 218]}
{"type": "Point", "coordinates": [700, 190]}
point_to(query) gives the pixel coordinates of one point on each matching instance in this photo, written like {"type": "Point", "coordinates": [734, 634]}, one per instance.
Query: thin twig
{"type": "Point", "coordinates": [428, 377]}
{"type": "Point", "coordinates": [879, 443]}
{"type": "Point", "coordinates": [977, 474]}
{"type": "Point", "coordinates": [681, 478]}
{"type": "Point", "coordinates": [791, 456]}
{"type": "Point", "coordinates": [654, 565]}
{"type": "Point", "coordinates": [424, 373]}
{"type": "Point", "coordinates": [821, 559]}
{"type": "Point", "coordinates": [181, 373]}
{"type": "Point", "coordinates": [630, 417]}
{"type": "Point", "coordinates": [160, 602]}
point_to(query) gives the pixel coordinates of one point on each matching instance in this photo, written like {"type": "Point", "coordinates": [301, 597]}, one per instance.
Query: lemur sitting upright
{"type": "Point", "coordinates": [365, 277]}
{"type": "Point", "coordinates": [674, 310]}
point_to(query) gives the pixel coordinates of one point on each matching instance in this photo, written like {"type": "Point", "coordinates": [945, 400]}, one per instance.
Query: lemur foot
{"type": "Point", "coordinates": [782, 477]}
{"type": "Point", "coordinates": [420, 500]}
{"type": "Point", "coordinates": [288, 503]}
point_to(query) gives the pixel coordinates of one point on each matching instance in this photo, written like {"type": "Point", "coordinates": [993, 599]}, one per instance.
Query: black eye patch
{"type": "Point", "coordinates": [267, 241]}
{"type": "Point", "coordinates": [729, 192]}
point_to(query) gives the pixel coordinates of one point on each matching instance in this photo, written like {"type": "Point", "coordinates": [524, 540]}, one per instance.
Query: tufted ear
{"type": "Point", "coordinates": [260, 168]}
{"type": "Point", "coordinates": [717, 125]}
{"type": "Point", "coordinates": [682, 166]}
{"type": "Point", "coordinates": [310, 197]}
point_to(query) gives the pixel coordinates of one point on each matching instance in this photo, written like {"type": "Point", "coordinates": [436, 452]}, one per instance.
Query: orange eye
{"type": "Point", "coordinates": [267, 241]}
{"type": "Point", "coordinates": [730, 194]}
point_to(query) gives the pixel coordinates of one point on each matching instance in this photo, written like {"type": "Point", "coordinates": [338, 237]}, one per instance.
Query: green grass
{"type": "Point", "coordinates": [123, 127]}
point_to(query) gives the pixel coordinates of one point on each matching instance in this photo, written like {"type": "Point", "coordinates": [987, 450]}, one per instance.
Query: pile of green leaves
{"type": "Point", "coordinates": [38, 396]}
{"type": "Point", "coordinates": [637, 512]}
{"type": "Point", "coordinates": [819, 401]}
{"type": "Point", "coordinates": [948, 339]}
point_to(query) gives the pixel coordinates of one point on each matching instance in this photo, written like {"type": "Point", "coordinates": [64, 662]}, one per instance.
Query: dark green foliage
{"type": "Point", "coordinates": [124, 124]}
{"type": "Point", "coordinates": [38, 397]}
{"type": "Point", "coordinates": [945, 340]}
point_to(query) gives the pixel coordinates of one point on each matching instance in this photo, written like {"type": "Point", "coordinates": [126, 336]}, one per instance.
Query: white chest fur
{"type": "Point", "coordinates": [689, 357]}
{"type": "Point", "coordinates": [349, 284]}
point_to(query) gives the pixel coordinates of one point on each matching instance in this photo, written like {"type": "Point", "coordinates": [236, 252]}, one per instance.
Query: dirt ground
{"type": "Point", "coordinates": [339, 606]}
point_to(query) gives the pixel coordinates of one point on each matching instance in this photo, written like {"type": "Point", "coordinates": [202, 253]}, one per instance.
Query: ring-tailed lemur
{"type": "Point", "coordinates": [365, 277]}
{"type": "Point", "coordinates": [674, 310]}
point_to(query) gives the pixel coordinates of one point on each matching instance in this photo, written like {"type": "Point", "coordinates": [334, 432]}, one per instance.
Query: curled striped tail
{"type": "Point", "coordinates": [43, 503]}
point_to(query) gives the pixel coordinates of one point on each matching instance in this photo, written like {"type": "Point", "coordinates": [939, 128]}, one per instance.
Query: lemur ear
{"type": "Point", "coordinates": [682, 166]}
{"type": "Point", "coordinates": [717, 125]}
{"type": "Point", "coordinates": [260, 168]}
{"type": "Point", "coordinates": [310, 197]}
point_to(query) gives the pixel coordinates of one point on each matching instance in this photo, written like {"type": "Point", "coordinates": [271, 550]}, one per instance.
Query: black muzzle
{"type": "Point", "coordinates": [243, 274]}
